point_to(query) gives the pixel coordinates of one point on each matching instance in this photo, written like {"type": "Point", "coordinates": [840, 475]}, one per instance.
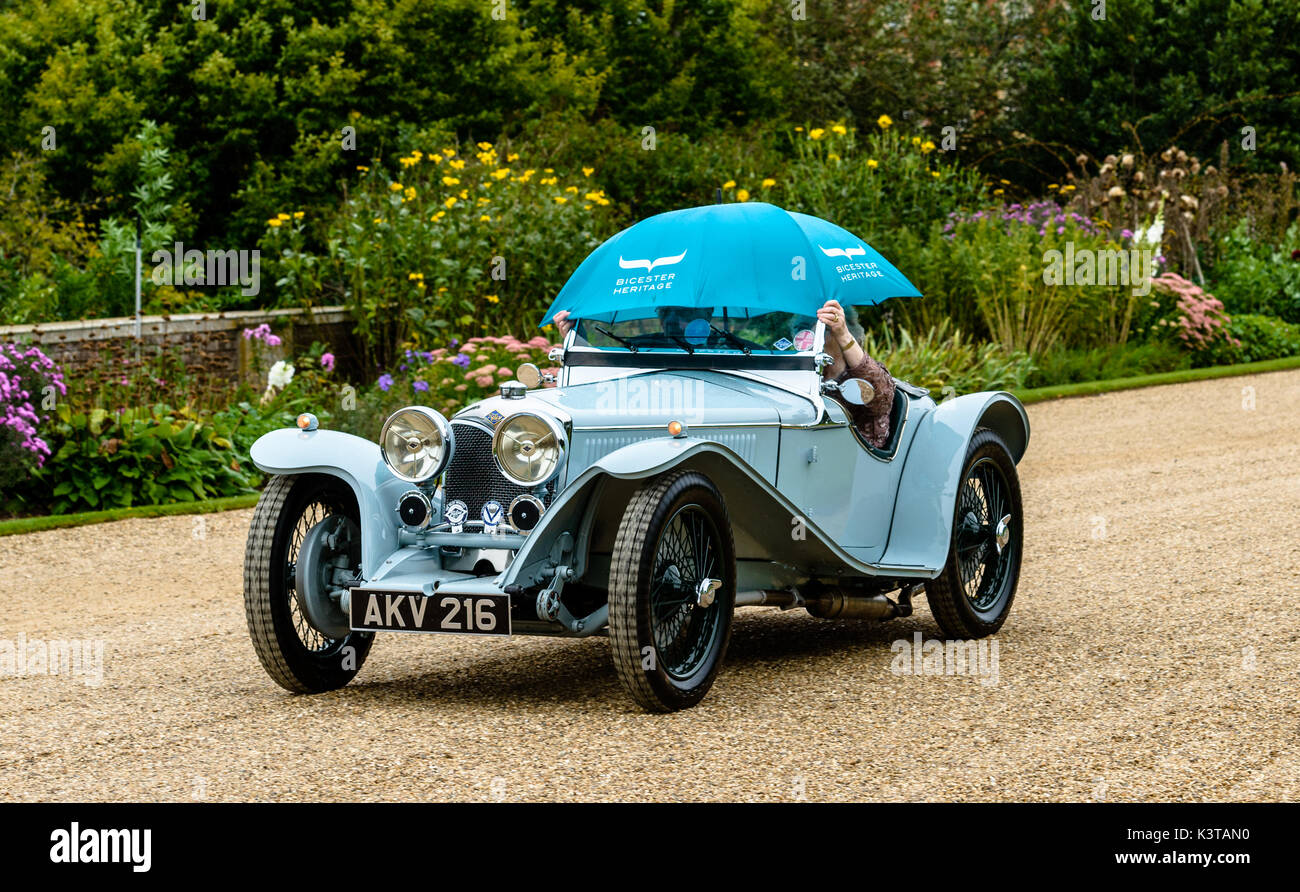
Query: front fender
{"type": "Point", "coordinates": [356, 461]}
{"type": "Point", "coordinates": [927, 493]}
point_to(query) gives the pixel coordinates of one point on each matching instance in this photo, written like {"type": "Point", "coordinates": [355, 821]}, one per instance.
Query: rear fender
{"type": "Point", "coordinates": [357, 462]}
{"type": "Point", "coordinates": [927, 493]}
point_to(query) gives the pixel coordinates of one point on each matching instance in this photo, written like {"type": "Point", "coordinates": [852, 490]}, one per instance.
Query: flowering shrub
{"type": "Point", "coordinates": [459, 240]}
{"type": "Point", "coordinates": [1198, 322]}
{"type": "Point", "coordinates": [24, 377]}
{"type": "Point", "coordinates": [451, 377]}
{"type": "Point", "coordinates": [877, 183]}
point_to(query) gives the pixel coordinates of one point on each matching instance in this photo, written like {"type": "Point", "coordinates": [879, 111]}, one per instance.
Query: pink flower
{"type": "Point", "coordinates": [539, 342]}
{"type": "Point", "coordinates": [327, 361]}
{"type": "Point", "coordinates": [483, 382]}
{"type": "Point", "coordinates": [504, 373]}
{"type": "Point", "coordinates": [461, 388]}
{"type": "Point", "coordinates": [273, 340]}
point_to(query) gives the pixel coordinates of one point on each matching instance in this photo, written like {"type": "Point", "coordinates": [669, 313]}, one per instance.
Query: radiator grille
{"type": "Point", "coordinates": [473, 475]}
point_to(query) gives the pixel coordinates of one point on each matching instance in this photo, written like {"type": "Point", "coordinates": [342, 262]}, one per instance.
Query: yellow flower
{"type": "Point", "coordinates": [998, 191]}
{"type": "Point", "coordinates": [769, 183]}
{"type": "Point", "coordinates": [872, 163]}
{"type": "Point", "coordinates": [544, 169]}
{"type": "Point", "coordinates": [485, 219]}
{"type": "Point", "coordinates": [884, 122]}
{"type": "Point", "coordinates": [573, 189]}
{"type": "Point", "coordinates": [916, 141]}
{"type": "Point", "coordinates": [1068, 187]}
{"type": "Point", "coordinates": [274, 222]}
{"type": "Point", "coordinates": [450, 202]}
{"type": "Point", "coordinates": [483, 201]}
{"type": "Point", "coordinates": [456, 164]}
{"type": "Point", "coordinates": [484, 146]}
{"type": "Point", "coordinates": [742, 195]}
{"type": "Point", "coordinates": [729, 184]}
{"type": "Point", "coordinates": [414, 277]}
{"type": "Point", "coordinates": [935, 174]}
{"type": "Point", "coordinates": [449, 152]}
{"type": "Point", "coordinates": [419, 285]}
{"type": "Point", "coordinates": [1052, 186]}
{"type": "Point", "coordinates": [282, 216]}
{"type": "Point", "coordinates": [464, 195]}
{"type": "Point", "coordinates": [410, 193]}
{"type": "Point", "coordinates": [513, 156]}
{"type": "Point", "coordinates": [548, 181]}
{"type": "Point", "coordinates": [816, 133]}
{"type": "Point", "coordinates": [839, 129]}
{"type": "Point", "coordinates": [436, 159]}
{"type": "Point", "coordinates": [362, 168]}
{"type": "Point", "coordinates": [438, 216]}
{"type": "Point", "coordinates": [927, 147]}
{"type": "Point", "coordinates": [798, 130]}
{"type": "Point", "coordinates": [832, 157]}
{"type": "Point", "coordinates": [588, 171]}
{"type": "Point", "coordinates": [379, 219]}
{"type": "Point", "coordinates": [450, 181]}
{"type": "Point", "coordinates": [394, 187]}
{"type": "Point", "coordinates": [297, 215]}
{"type": "Point", "coordinates": [492, 299]}
{"type": "Point", "coordinates": [501, 173]}
{"type": "Point", "coordinates": [560, 199]}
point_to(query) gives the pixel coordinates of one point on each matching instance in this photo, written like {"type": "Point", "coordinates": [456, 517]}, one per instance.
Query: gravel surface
{"type": "Point", "coordinates": [1153, 652]}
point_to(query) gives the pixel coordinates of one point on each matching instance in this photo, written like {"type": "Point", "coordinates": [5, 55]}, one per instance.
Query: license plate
{"type": "Point", "coordinates": [414, 612]}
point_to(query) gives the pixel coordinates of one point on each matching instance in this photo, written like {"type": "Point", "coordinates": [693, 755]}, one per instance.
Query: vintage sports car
{"type": "Point", "coordinates": [692, 460]}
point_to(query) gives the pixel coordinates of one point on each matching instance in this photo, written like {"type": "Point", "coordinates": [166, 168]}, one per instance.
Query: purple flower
{"type": "Point", "coordinates": [327, 361]}
{"type": "Point", "coordinates": [273, 340]}
{"type": "Point", "coordinates": [1126, 233]}
{"type": "Point", "coordinates": [462, 360]}
{"type": "Point", "coordinates": [385, 382]}
{"type": "Point", "coordinates": [420, 386]}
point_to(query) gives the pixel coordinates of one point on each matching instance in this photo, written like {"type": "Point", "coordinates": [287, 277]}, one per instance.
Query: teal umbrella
{"type": "Point", "coordinates": [748, 257]}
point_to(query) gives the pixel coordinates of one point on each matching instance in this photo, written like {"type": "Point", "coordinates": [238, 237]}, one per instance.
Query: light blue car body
{"type": "Point", "coordinates": [806, 498]}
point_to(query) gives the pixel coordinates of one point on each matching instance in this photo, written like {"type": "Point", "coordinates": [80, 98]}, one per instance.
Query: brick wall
{"type": "Point", "coordinates": [211, 344]}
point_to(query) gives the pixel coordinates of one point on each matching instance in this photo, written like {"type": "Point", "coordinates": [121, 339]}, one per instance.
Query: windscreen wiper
{"type": "Point", "coordinates": [624, 341]}
{"type": "Point", "coordinates": [735, 341]}
{"type": "Point", "coordinates": [681, 342]}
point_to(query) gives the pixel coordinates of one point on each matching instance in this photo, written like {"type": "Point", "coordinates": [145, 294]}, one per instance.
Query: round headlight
{"type": "Point", "coordinates": [528, 448]}
{"type": "Point", "coordinates": [417, 443]}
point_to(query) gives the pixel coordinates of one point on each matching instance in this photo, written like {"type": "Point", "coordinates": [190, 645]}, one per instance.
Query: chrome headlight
{"type": "Point", "coordinates": [528, 448]}
{"type": "Point", "coordinates": [417, 443]}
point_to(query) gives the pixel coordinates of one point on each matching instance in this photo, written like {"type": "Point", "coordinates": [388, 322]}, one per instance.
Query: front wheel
{"type": "Point", "coordinates": [290, 518]}
{"type": "Point", "coordinates": [972, 596]}
{"type": "Point", "coordinates": [672, 591]}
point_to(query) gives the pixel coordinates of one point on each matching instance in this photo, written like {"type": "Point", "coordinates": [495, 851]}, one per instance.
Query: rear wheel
{"type": "Point", "coordinates": [672, 591]}
{"type": "Point", "coordinates": [972, 596]}
{"type": "Point", "coordinates": [297, 654]}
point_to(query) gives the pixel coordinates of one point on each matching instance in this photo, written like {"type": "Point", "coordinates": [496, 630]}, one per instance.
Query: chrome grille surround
{"type": "Point", "coordinates": [473, 475]}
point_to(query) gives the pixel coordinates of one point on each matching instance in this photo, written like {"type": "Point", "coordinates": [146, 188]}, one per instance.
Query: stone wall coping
{"type": "Point", "coordinates": [173, 323]}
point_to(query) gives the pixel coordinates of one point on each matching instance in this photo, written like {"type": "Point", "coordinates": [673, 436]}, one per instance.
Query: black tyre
{"type": "Point", "coordinates": [972, 596]}
{"type": "Point", "coordinates": [668, 633]}
{"type": "Point", "coordinates": [295, 654]}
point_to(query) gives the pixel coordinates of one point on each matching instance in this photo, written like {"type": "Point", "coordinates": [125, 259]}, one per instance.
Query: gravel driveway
{"type": "Point", "coordinates": [1153, 652]}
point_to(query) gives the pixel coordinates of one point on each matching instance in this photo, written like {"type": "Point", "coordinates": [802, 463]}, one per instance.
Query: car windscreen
{"type": "Point", "coordinates": [703, 330]}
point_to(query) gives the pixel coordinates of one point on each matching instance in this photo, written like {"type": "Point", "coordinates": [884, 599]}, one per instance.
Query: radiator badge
{"type": "Point", "coordinates": [493, 418]}
{"type": "Point", "coordinates": [492, 515]}
{"type": "Point", "coordinates": [456, 513]}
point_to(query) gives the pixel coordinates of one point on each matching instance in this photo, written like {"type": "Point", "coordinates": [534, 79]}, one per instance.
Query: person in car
{"type": "Point", "coordinates": [848, 360]}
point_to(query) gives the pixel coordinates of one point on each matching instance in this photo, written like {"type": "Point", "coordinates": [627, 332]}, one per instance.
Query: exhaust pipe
{"type": "Point", "coordinates": [832, 602]}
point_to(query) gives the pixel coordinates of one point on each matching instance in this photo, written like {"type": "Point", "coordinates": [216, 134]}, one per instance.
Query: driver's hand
{"type": "Point", "coordinates": [832, 314]}
{"type": "Point", "coordinates": [563, 323]}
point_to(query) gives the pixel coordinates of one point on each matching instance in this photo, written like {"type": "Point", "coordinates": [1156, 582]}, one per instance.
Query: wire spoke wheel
{"type": "Point", "coordinates": [971, 597]}
{"type": "Point", "coordinates": [688, 553]}
{"type": "Point", "coordinates": [296, 654]}
{"type": "Point", "coordinates": [672, 591]}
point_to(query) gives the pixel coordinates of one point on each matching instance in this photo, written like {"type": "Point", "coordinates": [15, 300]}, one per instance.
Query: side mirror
{"type": "Point", "coordinates": [529, 375]}
{"type": "Point", "coordinates": [857, 391]}
{"type": "Point", "coordinates": [556, 354]}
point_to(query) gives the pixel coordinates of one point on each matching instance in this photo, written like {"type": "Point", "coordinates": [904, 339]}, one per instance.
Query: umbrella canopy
{"type": "Point", "coordinates": [748, 255]}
